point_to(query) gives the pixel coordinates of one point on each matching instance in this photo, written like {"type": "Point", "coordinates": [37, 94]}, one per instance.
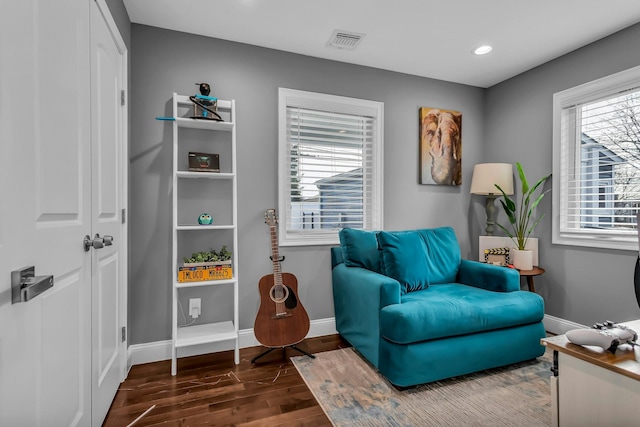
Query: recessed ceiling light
{"type": "Point", "coordinates": [482, 50]}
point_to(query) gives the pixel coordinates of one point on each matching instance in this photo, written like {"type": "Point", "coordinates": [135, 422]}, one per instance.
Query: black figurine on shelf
{"type": "Point", "coordinates": [205, 106]}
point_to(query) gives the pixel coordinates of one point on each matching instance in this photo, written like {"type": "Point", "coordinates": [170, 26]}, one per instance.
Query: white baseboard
{"type": "Point", "coordinates": [558, 326]}
{"type": "Point", "coordinates": [161, 350]}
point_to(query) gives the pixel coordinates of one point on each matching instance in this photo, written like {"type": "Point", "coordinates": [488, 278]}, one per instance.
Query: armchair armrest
{"type": "Point", "coordinates": [358, 296]}
{"type": "Point", "coordinates": [489, 277]}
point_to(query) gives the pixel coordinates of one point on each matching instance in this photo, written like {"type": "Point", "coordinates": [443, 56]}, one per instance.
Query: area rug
{"type": "Point", "coordinates": [352, 393]}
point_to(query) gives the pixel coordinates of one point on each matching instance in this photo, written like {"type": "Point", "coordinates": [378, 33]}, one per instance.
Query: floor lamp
{"type": "Point", "coordinates": [485, 176]}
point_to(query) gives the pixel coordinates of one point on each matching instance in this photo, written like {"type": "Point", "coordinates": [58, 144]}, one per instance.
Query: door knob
{"type": "Point", "coordinates": [97, 242]}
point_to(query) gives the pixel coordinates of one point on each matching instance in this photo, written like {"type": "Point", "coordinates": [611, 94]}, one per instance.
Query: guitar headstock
{"type": "Point", "coordinates": [271, 217]}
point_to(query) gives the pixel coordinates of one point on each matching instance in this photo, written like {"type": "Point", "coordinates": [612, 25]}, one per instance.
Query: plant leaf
{"type": "Point", "coordinates": [523, 179]}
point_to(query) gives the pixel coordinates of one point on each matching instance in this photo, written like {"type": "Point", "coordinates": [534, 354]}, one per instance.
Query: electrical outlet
{"type": "Point", "coordinates": [195, 307]}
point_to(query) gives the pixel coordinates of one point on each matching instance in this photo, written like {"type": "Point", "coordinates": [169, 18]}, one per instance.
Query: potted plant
{"type": "Point", "coordinates": [208, 258]}
{"type": "Point", "coordinates": [521, 218]}
{"type": "Point", "coordinates": [206, 265]}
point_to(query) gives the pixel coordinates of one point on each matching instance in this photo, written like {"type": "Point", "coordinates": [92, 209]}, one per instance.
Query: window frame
{"type": "Point", "coordinates": [339, 104]}
{"type": "Point", "coordinates": [589, 92]}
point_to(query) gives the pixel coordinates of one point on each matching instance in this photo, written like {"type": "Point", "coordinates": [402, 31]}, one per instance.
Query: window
{"type": "Point", "coordinates": [596, 163]}
{"type": "Point", "coordinates": [330, 166]}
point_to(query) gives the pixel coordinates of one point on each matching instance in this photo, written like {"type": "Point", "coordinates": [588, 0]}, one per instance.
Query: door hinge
{"type": "Point", "coordinates": [124, 216]}
{"type": "Point", "coordinates": [122, 97]}
{"type": "Point", "coordinates": [124, 333]}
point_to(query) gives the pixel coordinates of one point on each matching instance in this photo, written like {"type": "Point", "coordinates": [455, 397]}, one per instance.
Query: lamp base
{"type": "Point", "coordinates": [492, 214]}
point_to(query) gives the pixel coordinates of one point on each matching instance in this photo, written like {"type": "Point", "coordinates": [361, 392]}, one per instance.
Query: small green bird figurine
{"type": "Point", "coordinates": [205, 219]}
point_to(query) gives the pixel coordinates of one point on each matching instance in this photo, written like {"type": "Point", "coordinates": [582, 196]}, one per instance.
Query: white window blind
{"type": "Point", "coordinates": [597, 153]}
{"type": "Point", "coordinates": [330, 155]}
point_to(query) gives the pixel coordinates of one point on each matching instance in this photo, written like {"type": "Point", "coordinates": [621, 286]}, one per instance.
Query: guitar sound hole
{"type": "Point", "coordinates": [279, 293]}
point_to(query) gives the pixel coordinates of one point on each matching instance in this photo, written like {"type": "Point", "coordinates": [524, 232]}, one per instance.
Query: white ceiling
{"type": "Point", "coordinates": [426, 38]}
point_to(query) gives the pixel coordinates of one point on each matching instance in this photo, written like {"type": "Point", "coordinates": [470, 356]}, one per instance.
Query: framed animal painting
{"type": "Point", "coordinates": [440, 146]}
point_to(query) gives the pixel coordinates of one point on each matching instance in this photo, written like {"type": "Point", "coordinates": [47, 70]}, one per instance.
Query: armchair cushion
{"type": "Point", "coordinates": [419, 258]}
{"type": "Point", "coordinates": [453, 309]}
{"type": "Point", "coordinates": [404, 259]}
{"type": "Point", "coordinates": [360, 249]}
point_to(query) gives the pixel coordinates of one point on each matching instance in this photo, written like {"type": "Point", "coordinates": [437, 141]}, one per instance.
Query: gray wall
{"type": "Point", "coordinates": [163, 62]}
{"type": "Point", "coordinates": [581, 285]}
{"type": "Point", "coordinates": [514, 118]}
{"type": "Point", "coordinates": [121, 18]}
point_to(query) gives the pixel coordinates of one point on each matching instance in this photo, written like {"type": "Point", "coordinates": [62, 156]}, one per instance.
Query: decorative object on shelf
{"type": "Point", "coordinates": [202, 272]}
{"type": "Point", "coordinates": [209, 256]}
{"type": "Point", "coordinates": [440, 146]}
{"type": "Point", "coordinates": [521, 218]}
{"type": "Point", "coordinates": [497, 256]}
{"type": "Point", "coordinates": [205, 106]}
{"type": "Point", "coordinates": [281, 321]}
{"type": "Point", "coordinates": [205, 219]}
{"type": "Point", "coordinates": [204, 162]}
{"type": "Point", "coordinates": [484, 180]}
{"type": "Point", "coordinates": [206, 265]}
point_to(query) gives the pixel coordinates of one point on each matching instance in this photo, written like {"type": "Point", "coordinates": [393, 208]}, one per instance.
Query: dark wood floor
{"type": "Point", "coordinates": [210, 390]}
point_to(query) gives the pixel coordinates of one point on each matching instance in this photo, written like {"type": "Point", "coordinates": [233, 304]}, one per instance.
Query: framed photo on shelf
{"type": "Point", "coordinates": [204, 162]}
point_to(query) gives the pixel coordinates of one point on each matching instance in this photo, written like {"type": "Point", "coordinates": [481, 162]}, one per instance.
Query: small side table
{"type": "Point", "coordinates": [530, 274]}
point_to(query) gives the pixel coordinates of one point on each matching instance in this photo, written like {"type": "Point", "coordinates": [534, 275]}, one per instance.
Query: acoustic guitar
{"type": "Point", "coordinates": [281, 321]}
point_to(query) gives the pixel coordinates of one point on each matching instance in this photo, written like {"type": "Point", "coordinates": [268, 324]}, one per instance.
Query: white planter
{"type": "Point", "coordinates": [522, 260]}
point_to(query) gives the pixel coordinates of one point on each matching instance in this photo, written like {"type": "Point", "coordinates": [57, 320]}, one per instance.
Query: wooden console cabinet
{"type": "Point", "coordinates": [592, 387]}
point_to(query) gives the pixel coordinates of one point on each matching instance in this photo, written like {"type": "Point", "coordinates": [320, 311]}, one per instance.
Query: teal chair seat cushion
{"type": "Point", "coordinates": [452, 309]}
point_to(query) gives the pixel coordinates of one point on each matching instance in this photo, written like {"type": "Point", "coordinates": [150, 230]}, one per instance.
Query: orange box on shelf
{"type": "Point", "coordinates": [200, 272]}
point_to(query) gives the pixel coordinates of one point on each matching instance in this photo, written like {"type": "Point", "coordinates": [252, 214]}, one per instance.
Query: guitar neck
{"type": "Point", "coordinates": [275, 256]}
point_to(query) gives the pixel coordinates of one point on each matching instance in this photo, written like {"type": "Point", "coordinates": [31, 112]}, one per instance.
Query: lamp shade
{"type": "Point", "coordinates": [486, 175]}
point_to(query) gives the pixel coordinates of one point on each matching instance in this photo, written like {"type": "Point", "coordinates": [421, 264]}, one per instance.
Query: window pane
{"type": "Point", "coordinates": [610, 162]}
{"type": "Point", "coordinates": [327, 153]}
{"type": "Point", "coordinates": [330, 160]}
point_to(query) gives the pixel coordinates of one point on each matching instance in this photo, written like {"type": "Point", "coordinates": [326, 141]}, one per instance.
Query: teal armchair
{"type": "Point", "coordinates": [419, 313]}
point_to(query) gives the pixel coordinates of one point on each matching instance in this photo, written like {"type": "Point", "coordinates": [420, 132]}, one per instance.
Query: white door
{"type": "Point", "coordinates": [108, 201]}
{"type": "Point", "coordinates": [61, 178]}
{"type": "Point", "coordinates": [45, 210]}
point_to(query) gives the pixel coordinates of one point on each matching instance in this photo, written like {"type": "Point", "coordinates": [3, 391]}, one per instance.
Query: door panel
{"type": "Point", "coordinates": [108, 322]}
{"type": "Point", "coordinates": [61, 303]}
{"type": "Point", "coordinates": [107, 183]}
{"type": "Point", "coordinates": [45, 206]}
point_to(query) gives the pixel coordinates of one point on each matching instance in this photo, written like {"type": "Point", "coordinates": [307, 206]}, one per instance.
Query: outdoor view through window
{"type": "Point", "coordinates": [607, 184]}
{"type": "Point", "coordinates": [328, 152]}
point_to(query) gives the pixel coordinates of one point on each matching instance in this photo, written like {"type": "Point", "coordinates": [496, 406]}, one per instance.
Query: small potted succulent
{"type": "Point", "coordinates": [206, 265]}
{"type": "Point", "coordinates": [521, 217]}
{"type": "Point", "coordinates": [207, 258]}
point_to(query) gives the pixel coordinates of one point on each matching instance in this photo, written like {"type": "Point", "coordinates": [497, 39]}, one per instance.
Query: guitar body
{"type": "Point", "coordinates": [280, 324]}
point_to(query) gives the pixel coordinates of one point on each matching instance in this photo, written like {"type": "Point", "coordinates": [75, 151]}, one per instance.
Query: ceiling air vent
{"type": "Point", "coordinates": [345, 40]}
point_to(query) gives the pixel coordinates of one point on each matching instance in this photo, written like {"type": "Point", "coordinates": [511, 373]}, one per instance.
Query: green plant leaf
{"type": "Point", "coordinates": [521, 217]}
{"type": "Point", "coordinates": [523, 178]}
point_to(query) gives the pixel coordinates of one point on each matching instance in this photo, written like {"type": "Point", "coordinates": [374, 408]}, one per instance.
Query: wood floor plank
{"type": "Point", "coordinates": [210, 390]}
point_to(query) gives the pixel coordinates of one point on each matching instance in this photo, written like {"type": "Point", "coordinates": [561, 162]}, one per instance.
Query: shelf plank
{"type": "Point", "coordinates": [205, 175]}
{"type": "Point", "coordinates": [191, 227]}
{"type": "Point", "coordinates": [181, 285]}
{"type": "Point", "coordinates": [205, 333]}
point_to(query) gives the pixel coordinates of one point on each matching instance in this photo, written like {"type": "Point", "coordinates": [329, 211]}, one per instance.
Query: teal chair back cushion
{"type": "Point", "coordinates": [420, 258]}
{"type": "Point", "coordinates": [360, 249]}
{"type": "Point", "coordinates": [416, 258]}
